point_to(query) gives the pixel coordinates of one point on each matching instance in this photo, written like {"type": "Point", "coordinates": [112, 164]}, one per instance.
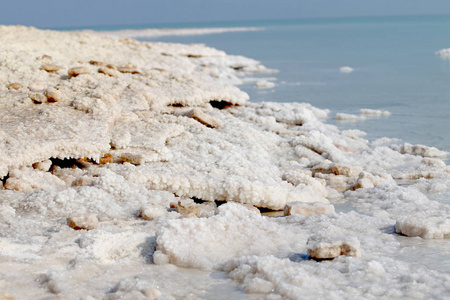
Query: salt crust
{"type": "Point", "coordinates": [264, 155]}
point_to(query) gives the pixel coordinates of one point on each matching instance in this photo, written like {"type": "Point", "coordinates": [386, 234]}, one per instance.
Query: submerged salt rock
{"type": "Point", "coordinates": [38, 98]}
{"type": "Point", "coordinates": [53, 95]}
{"type": "Point", "coordinates": [346, 69]}
{"type": "Point", "coordinates": [14, 86]}
{"type": "Point", "coordinates": [73, 72]}
{"type": "Point", "coordinates": [264, 84]}
{"type": "Point", "coordinates": [308, 209]}
{"type": "Point", "coordinates": [86, 222]}
{"type": "Point", "coordinates": [425, 225]}
{"type": "Point", "coordinates": [151, 212]}
{"type": "Point", "coordinates": [51, 68]}
{"type": "Point", "coordinates": [419, 150]}
{"type": "Point", "coordinates": [320, 247]}
{"type": "Point", "coordinates": [205, 119]}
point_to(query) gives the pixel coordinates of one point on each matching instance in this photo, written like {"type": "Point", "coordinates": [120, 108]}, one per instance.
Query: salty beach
{"type": "Point", "coordinates": [140, 170]}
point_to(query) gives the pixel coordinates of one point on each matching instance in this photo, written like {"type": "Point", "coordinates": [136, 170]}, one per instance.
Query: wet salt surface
{"type": "Point", "coordinates": [150, 151]}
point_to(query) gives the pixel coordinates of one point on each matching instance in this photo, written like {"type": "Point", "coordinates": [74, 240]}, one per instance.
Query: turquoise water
{"type": "Point", "coordinates": [395, 65]}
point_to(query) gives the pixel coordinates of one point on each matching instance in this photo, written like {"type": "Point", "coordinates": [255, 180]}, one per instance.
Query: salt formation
{"type": "Point", "coordinates": [346, 69]}
{"type": "Point", "coordinates": [121, 161]}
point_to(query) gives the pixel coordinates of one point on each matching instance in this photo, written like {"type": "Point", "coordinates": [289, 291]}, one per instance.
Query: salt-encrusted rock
{"type": "Point", "coordinates": [419, 150]}
{"type": "Point", "coordinates": [86, 222]}
{"type": "Point", "coordinates": [135, 159]}
{"type": "Point", "coordinates": [51, 68]}
{"type": "Point", "coordinates": [108, 71]}
{"type": "Point", "coordinates": [308, 209]}
{"type": "Point", "coordinates": [349, 117]}
{"type": "Point", "coordinates": [187, 207]}
{"type": "Point", "coordinates": [337, 169]}
{"type": "Point", "coordinates": [129, 69]}
{"type": "Point", "coordinates": [73, 72]}
{"type": "Point", "coordinates": [14, 86]}
{"type": "Point", "coordinates": [53, 95]}
{"type": "Point", "coordinates": [106, 159]}
{"type": "Point", "coordinates": [424, 224]}
{"type": "Point", "coordinates": [43, 165]}
{"type": "Point", "coordinates": [82, 181]}
{"type": "Point", "coordinates": [367, 180]}
{"type": "Point", "coordinates": [16, 184]}
{"type": "Point", "coordinates": [205, 119]}
{"type": "Point", "coordinates": [151, 212]}
{"type": "Point", "coordinates": [38, 98]}
{"type": "Point", "coordinates": [320, 247]}
{"type": "Point", "coordinates": [97, 63]}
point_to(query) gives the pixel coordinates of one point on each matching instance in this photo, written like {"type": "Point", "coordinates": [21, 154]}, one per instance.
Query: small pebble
{"type": "Point", "coordinates": [151, 293]}
{"type": "Point", "coordinates": [51, 68]}
{"type": "Point", "coordinates": [14, 86]}
{"type": "Point", "coordinates": [86, 222]}
{"type": "Point", "coordinates": [73, 72]}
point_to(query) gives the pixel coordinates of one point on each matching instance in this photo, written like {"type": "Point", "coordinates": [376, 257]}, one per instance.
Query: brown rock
{"type": "Point", "coordinates": [73, 72]}
{"type": "Point", "coordinates": [51, 68]}
{"type": "Point", "coordinates": [106, 159]}
{"type": "Point", "coordinates": [53, 95]}
{"type": "Point", "coordinates": [14, 86]}
{"type": "Point", "coordinates": [203, 118]}
{"type": "Point", "coordinates": [86, 222]}
{"type": "Point", "coordinates": [111, 66]}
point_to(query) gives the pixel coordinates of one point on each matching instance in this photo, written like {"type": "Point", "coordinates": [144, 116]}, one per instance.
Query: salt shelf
{"type": "Point", "coordinates": [132, 170]}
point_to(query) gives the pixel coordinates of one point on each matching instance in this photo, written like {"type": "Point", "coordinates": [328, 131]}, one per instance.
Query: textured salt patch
{"type": "Point", "coordinates": [159, 129]}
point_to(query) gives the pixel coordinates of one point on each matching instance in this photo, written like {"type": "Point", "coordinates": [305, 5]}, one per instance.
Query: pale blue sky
{"type": "Point", "coordinates": [67, 13]}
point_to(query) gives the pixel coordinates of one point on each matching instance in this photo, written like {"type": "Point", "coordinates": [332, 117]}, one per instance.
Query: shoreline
{"type": "Point", "coordinates": [127, 161]}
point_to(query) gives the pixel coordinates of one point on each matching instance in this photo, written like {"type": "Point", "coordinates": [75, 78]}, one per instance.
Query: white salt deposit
{"type": "Point", "coordinates": [349, 117]}
{"type": "Point", "coordinates": [346, 69]}
{"type": "Point", "coordinates": [444, 53]}
{"type": "Point", "coordinates": [373, 112]}
{"type": "Point", "coordinates": [153, 33]}
{"type": "Point", "coordinates": [140, 146]}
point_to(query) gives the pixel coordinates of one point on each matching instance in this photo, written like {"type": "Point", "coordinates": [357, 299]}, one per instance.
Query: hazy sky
{"type": "Point", "coordinates": [67, 13]}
